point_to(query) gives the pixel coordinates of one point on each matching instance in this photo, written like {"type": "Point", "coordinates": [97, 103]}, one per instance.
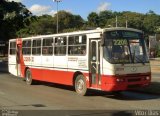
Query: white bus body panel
{"type": "Point", "coordinates": [78, 63]}
{"type": "Point", "coordinates": [37, 61]}
{"type": "Point", "coordinates": [47, 61]}
{"type": "Point", "coordinates": [12, 67]}
{"type": "Point", "coordinates": [120, 69]}
{"type": "Point", "coordinates": [94, 35]}
{"type": "Point", "coordinates": [60, 62]}
{"type": "Point", "coordinates": [132, 68]}
{"type": "Point", "coordinates": [27, 62]}
{"type": "Point", "coordinates": [107, 68]}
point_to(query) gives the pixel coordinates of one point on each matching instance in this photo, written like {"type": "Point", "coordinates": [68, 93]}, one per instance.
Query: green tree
{"type": "Point", "coordinates": [135, 20]}
{"type": "Point", "coordinates": [12, 18]}
{"type": "Point", "coordinates": [43, 25]}
{"type": "Point", "coordinates": [93, 19]}
{"type": "Point", "coordinates": [151, 22]}
{"type": "Point", "coordinates": [104, 16]}
{"type": "Point", "coordinates": [46, 24]}
{"type": "Point", "coordinates": [68, 21]}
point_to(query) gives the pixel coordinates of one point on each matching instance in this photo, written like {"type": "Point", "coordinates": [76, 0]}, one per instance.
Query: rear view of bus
{"type": "Point", "coordinates": [125, 63]}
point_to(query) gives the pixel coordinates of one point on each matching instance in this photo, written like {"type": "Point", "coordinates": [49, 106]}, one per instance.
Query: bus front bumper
{"type": "Point", "coordinates": [114, 83]}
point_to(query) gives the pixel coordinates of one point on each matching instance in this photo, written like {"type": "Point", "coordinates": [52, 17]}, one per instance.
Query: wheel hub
{"type": "Point", "coordinates": [80, 85]}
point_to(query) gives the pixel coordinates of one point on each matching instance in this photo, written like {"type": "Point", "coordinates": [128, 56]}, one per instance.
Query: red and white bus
{"type": "Point", "coordinates": [110, 59]}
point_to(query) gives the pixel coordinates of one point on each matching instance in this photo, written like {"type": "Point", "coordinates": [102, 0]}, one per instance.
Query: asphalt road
{"type": "Point", "coordinates": [51, 99]}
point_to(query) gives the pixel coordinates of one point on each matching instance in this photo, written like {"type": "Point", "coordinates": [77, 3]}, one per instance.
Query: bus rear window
{"type": "Point", "coordinates": [12, 49]}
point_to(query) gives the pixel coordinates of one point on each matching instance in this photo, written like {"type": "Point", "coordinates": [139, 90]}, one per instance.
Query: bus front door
{"type": "Point", "coordinates": [94, 63]}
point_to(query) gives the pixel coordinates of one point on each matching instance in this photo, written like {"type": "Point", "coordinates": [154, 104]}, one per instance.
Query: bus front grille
{"type": "Point", "coordinates": [134, 80]}
{"type": "Point", "coordinates": [133, 86]}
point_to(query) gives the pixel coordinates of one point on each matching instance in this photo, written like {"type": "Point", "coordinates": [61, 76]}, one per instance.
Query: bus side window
{"type": "Point", "coordinates": [83, 51]}
{"type": "Point", "coordinates": [12, 48]}
{"type": "Point", "coordinates": [69, 50]}
{"type": "Point", "coordinates": [26, 47]}
{"type": "Point", "coordinates": [45, 51]}
{"type": "Point", "coordinates": [47, 48]}
{"type": "Point", "coordinates": [36, 47]}
{"type": "Point", "coordinates": [60, 46]}
{"type": "Point", "coordinates": [77, 45]}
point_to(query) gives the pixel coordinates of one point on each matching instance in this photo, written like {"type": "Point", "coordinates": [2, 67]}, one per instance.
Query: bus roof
{"type": "Point", "coordinates": [98, 30]}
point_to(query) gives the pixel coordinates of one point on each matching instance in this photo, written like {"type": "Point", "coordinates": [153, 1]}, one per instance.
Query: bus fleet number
{"type": "Point", "coordinates": [28, 59]}
{"type": "Point", "coordinates": [120, 42]}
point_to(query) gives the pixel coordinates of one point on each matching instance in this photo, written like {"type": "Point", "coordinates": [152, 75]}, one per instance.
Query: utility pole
{"type": "Point", "coordinates": [116, 21]}
{"type": "Point", "coordinates": [126, 22]}
{"type": "Point", "coordinates": [57, 12]}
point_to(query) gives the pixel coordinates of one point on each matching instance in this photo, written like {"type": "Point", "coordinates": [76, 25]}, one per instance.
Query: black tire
{"type": "Point", "coordinates": [80, 85]}
{"type": "Point", "coordinates": [28, 78]}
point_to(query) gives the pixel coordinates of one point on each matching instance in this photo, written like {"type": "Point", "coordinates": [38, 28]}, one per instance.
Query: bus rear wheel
{"type": "Point", "coordinates": [28, 77]}
{"type": "Point", "coordinates": [80, 85]}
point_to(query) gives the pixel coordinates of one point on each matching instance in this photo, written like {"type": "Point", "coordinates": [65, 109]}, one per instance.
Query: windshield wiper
{"type": "Point", "coordinates": [134, 56]}
{"type": "Point", "coordinates": [140, 59]}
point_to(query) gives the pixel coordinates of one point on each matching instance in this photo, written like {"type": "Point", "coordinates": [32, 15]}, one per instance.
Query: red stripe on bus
{"type": "Point", "coordinates": [54, 76]}
{"type": "Point", "coordinates": [108, 82]}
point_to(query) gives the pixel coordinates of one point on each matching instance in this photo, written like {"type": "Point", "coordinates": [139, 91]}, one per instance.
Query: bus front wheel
{"type": "Point", "coordinates": [80, 85]}
{"type": "Point", "coordinates": [28, 78]}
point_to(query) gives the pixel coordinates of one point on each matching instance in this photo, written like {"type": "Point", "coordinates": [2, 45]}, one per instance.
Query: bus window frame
{"type": "Point", "coordinates": [12, 48]}
{"type": "Point", "coordinates": [84, 51]}
{"type": "Point", "coordinates": [37, 47]}
{"type": "Point", "coordinates": [56, 46]}
{"type": "Point", "coordinates": [51, 38]}
{"type": "Point", "coordinates": [27, 46]}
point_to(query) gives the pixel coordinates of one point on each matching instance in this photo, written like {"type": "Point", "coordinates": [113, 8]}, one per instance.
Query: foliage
{"type": "Point", "coordinates": [93, 19]}
{"type": "Point", "coordinates": [68, 20]}
{"type": "Point", "coordinates": [104, 16]}
{"type": "Point", "coordinates": [12, 16]}
{"type": "Point", "coordinates": [46, 24]}
{"type": "Point", "coordinates": [17, 21]}
{"type": "Point", "coordinates": [151, 23]}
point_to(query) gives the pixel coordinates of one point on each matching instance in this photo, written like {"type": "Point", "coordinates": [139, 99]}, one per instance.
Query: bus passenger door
{"type": "Point", "coordinates": [94, 63]}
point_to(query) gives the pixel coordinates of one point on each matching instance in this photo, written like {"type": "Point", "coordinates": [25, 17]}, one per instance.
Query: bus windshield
{"type": "Point", "coordinates": [122, 47]}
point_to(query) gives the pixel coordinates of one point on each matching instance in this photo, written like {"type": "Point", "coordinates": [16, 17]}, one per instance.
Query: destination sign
{"type": "Point", "coordinates": [123, 34]}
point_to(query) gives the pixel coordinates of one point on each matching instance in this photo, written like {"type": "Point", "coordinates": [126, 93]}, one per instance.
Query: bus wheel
{"type": "Point", "coordinates": [80, 85]}
{"type": "Point", "coordinates": [28, 78]}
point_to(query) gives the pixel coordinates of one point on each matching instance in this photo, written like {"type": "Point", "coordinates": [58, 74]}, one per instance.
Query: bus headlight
{"type": "Point", "coordinates": [120, 80]}
{"type": "Point", "coordinates": [147, 78]}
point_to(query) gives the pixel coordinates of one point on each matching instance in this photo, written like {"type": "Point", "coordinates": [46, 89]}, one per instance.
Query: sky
{"type": "Point", "coordinates": [84, 7]}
